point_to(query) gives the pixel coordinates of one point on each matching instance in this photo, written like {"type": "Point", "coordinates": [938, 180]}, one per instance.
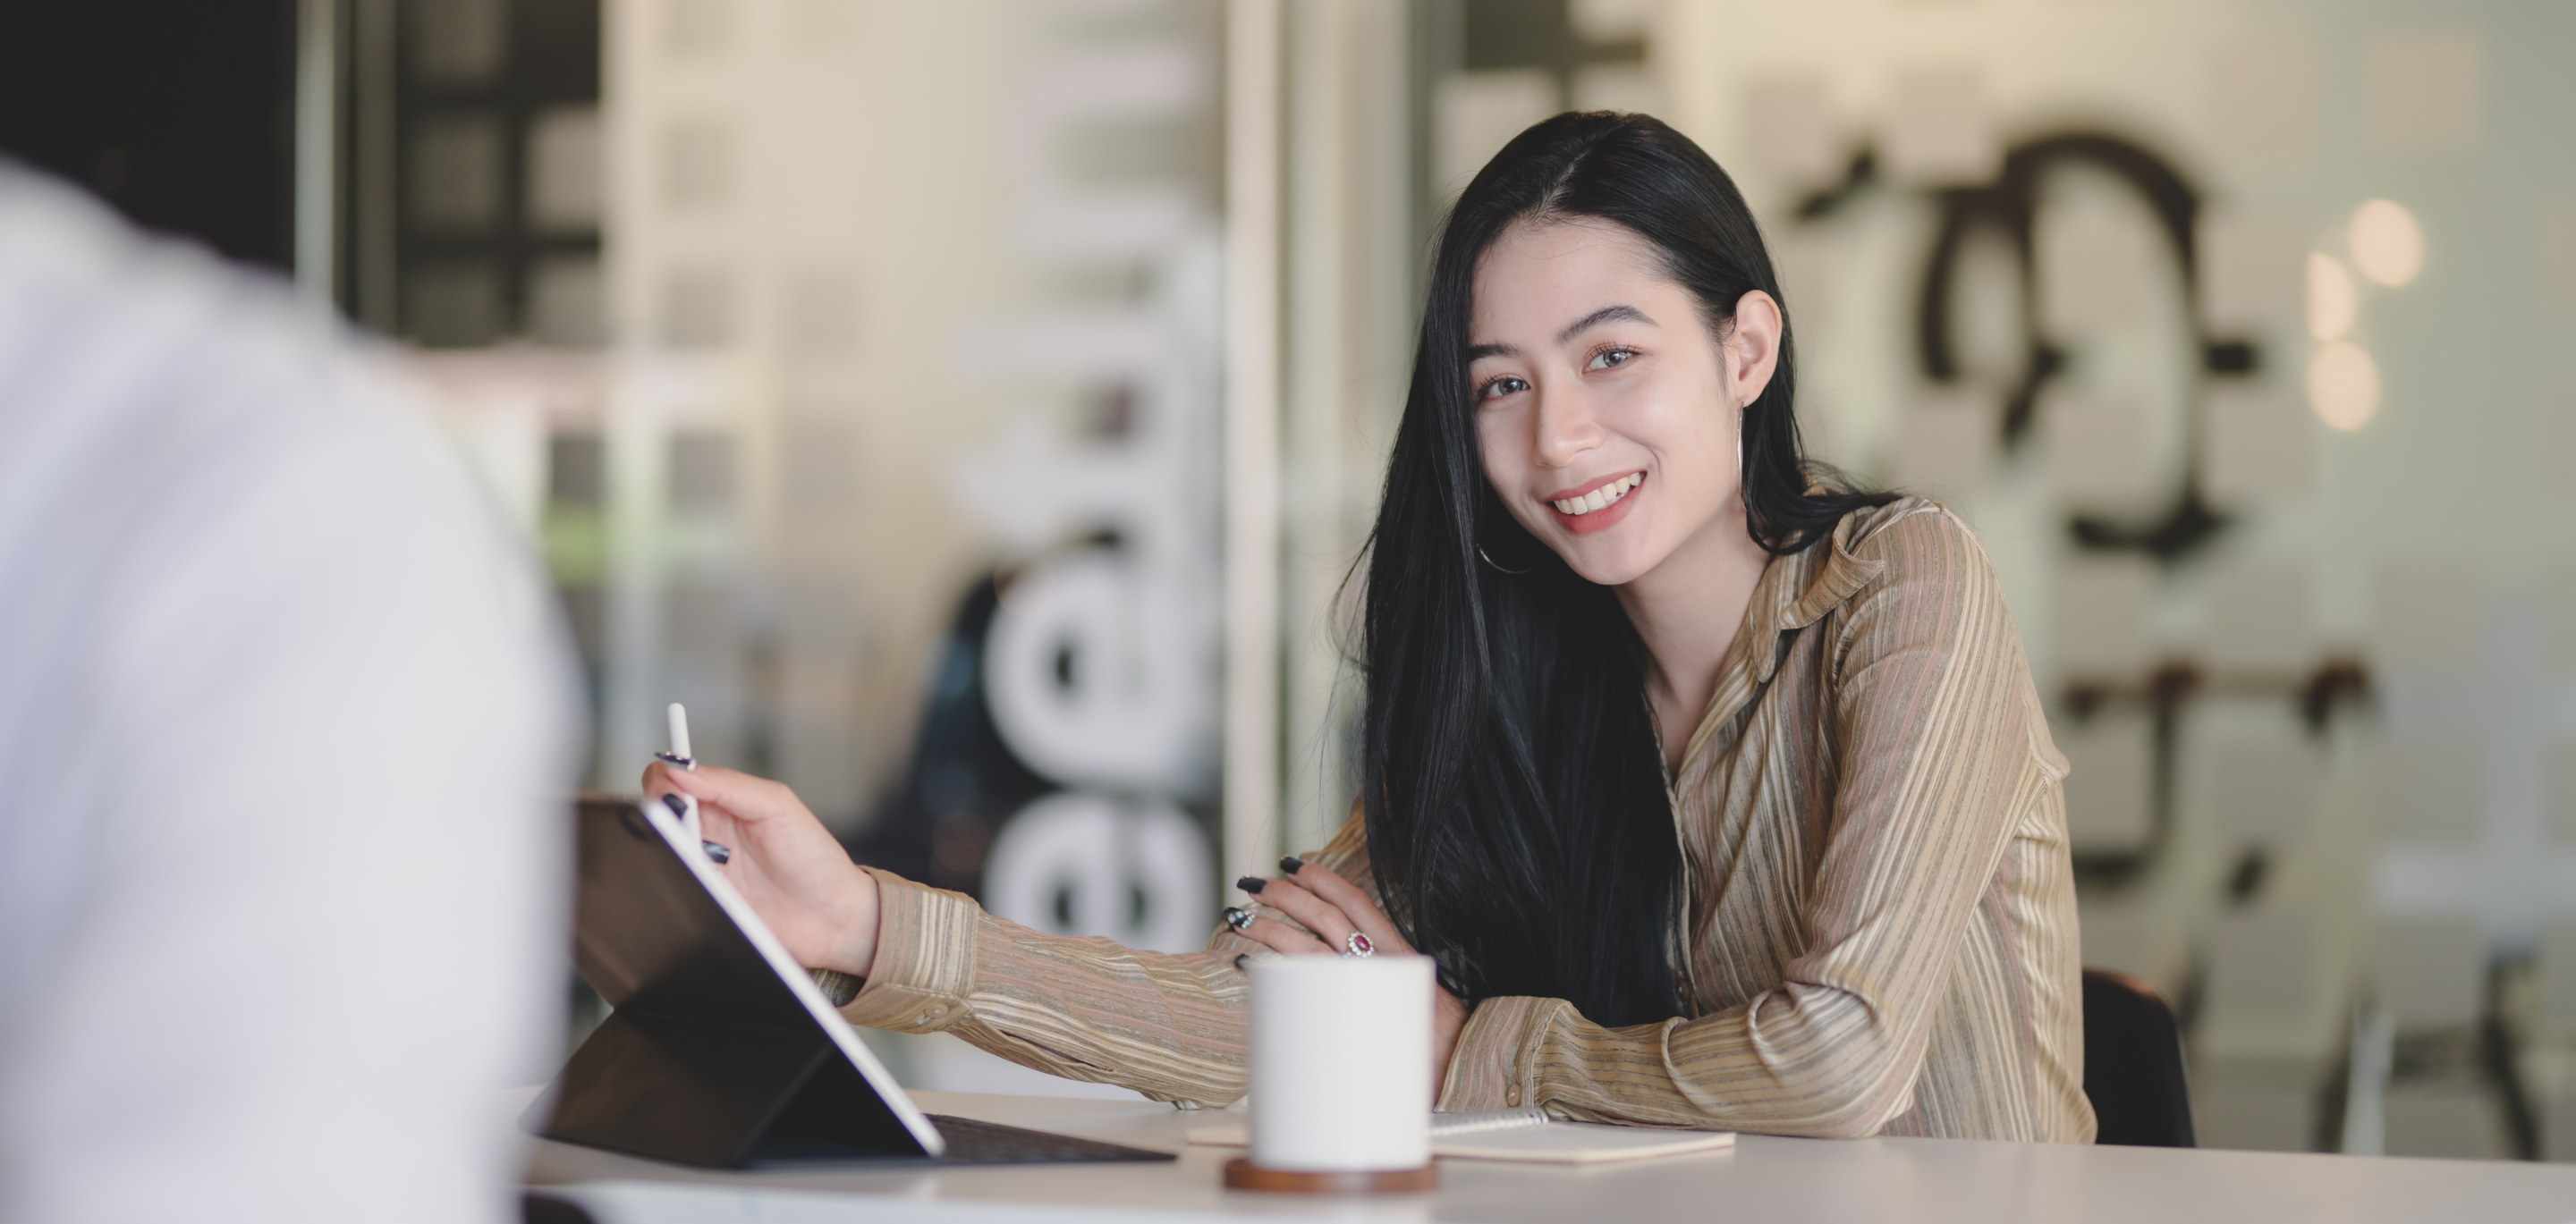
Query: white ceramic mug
{"type": "Point", "coordinates": [1341, 1063]}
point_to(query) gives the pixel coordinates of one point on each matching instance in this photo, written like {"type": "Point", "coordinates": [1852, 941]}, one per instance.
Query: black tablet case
{"type": "Point", "coordinates": [710, 1057]}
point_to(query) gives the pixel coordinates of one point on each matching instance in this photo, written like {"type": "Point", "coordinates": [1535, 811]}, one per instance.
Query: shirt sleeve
{"type": "Point", "coordinates": [1929, 713]}
{"type": "Point", "coordinates": [1168, 1025]}
{"type": "Point", "coordinates": [308, 730]}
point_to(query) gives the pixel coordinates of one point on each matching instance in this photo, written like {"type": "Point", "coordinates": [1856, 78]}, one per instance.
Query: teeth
{"type": "Point", "coordinates": [1599, 498]}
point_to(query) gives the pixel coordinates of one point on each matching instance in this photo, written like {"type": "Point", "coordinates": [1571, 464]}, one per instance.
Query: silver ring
{"type": "Point", "coordinates": [1358, 945]}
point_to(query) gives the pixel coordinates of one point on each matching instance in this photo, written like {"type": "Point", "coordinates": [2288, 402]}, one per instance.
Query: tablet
{"type": "Point", "coordinates": [720, 1051]}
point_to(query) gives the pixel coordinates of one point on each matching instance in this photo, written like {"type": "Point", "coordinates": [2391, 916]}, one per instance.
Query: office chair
{"type": "Point", "coordinates": [2133, 1064]}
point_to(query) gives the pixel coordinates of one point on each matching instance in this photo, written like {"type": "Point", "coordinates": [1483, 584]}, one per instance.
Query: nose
{"type": "Point", "coordinates": [1566, 427]}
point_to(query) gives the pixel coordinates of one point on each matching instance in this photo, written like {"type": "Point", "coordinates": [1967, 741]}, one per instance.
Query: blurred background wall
{"type": "Point", "coordinates": [972, 411]}
{"type": "Point", "coordinates": [2229, 326]}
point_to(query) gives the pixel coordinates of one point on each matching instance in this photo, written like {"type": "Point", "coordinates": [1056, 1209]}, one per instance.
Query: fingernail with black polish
{"type": "Point", "coordinates": [1251, 884]}
{"type": "Point", "coordinates": [1290, 866]}
{"type": "Point", "coordinates": [678, 805]}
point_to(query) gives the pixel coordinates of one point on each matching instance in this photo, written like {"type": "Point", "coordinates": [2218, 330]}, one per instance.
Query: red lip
{"type": "Point", "coordinates": [1602, 519]}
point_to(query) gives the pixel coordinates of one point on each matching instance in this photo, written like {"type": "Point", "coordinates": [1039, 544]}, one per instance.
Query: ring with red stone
{"type": "Point", "coordinates": [1358, 945]}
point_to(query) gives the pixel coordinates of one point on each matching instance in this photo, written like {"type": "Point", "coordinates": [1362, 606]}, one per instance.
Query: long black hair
{"type": "Point", "coordinates": [1518, 823]}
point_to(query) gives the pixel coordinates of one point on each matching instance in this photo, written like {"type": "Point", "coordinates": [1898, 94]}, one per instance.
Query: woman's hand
{"type": "Point", "coordinates": [1334, 909]}
{"type": "Point", "coordinates": [785, 863]}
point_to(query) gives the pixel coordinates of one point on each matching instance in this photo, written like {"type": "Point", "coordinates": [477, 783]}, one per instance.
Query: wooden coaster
{"type": "Point", "coordinates": [1242, 1174]}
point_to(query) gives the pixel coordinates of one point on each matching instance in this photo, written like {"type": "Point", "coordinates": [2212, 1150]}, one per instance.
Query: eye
{"type": "Point", "coordinates": [1508, 384]}
{"type": "Point", "coordinates": [1609, 357]}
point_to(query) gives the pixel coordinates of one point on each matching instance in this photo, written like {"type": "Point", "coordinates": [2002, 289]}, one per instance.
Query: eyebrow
{"type": "Point", "coordinates": [1607, 314]}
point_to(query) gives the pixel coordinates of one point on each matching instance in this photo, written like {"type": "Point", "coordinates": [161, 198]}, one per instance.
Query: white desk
{"type": "Point", "coordinates": [1874, 1181]}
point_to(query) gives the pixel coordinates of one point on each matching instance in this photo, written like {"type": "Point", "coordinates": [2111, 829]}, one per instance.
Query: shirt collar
{"type": "Point", "coordinates": [1795, 591]}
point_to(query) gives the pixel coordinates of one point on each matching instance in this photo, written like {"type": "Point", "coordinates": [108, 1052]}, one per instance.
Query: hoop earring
{"type": "Point", "coordinates": [1480, 551]}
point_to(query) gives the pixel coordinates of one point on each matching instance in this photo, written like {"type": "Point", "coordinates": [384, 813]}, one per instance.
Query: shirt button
{"type": "Point", "coordinates": [1512, 1096]}
{"type": "Point", "coordinates": [934, 1013]}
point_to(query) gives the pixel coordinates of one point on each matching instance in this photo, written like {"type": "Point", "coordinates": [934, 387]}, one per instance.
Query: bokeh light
{"type": "Point", "coordinates": [2334, 301]}
{"type": "Point", "coordinates": [2387, 244]}
{"type": "Point", "coordinates": [2343, 385]}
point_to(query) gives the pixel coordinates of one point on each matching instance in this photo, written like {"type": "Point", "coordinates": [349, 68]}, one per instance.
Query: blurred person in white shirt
{"type": "Point", "coordinates": [284, 733]}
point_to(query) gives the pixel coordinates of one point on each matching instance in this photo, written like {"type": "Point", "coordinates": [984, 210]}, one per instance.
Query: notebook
{"type": "Point", "coordinates": [1525, 1135]}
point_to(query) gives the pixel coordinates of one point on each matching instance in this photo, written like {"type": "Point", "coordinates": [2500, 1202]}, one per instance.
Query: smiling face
{"type": "Point", "coordinates": [1606, 410]}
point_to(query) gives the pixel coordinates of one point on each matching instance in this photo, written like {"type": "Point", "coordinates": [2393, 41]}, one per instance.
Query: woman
{"type": "Point", "coordinates": [1722, 798]}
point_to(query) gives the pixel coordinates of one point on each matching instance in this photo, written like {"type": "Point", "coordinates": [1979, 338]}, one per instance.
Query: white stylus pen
{"type": "Point", "coordinates": [686, 806]}
{"type": "Point", "coordinates": [680, 733]}
{"type": "Point", "coordinates": [679, 755]}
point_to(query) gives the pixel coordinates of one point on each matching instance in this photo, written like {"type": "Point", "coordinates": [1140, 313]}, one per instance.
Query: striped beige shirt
{"type": "Point", "coordinates": [1882, 932]}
